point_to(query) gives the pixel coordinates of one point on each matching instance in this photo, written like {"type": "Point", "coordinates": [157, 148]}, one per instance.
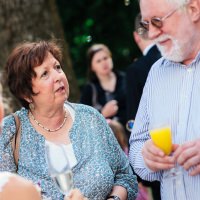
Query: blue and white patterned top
{"type": "Point", "coordinates": [101, 162]}
{"type": "Point", "coordinates": [171, 97]}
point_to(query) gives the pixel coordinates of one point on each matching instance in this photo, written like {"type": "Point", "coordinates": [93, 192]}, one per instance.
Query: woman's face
{"type": "Point", "coordinates": [50, 83]}
{"type": "Point", "coordinates": [102, 63]}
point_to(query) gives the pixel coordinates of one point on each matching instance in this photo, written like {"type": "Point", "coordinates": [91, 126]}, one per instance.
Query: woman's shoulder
{"type": "Point", "coordinates": [9, 120]}
{"type": "Point", "coordinates": [79, 107]}
{"type": "Point", "coordinates": [83, 111]}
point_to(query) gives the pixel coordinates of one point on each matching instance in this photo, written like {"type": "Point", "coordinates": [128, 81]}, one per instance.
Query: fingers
{"type": "Point", "coordinates": [179, 150]}
{"type": "Point", "coordinates": [114, 105]}
{"type": "Point", "coordinates": [193, 161]}
{"type": "Point", "coordinates": [188, 156]}
{"type": "Point", "coordinates": [156, 166]}
{"type": "Point", "coordinates": [155, 158]}
{"type": "Point", "coordinates": [195, 171]}
{"type": "Point", "coordinates": [110, 108]}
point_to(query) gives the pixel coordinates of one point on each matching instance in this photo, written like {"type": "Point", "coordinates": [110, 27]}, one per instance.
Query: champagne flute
{"type": "Point", "coordinates": [59, 167]}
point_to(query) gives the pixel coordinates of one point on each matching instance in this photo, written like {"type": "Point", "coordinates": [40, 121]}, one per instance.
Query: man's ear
{"type": "Point", "coordinates": [194, 10]}
{"type": "Point", "coordinates": [136, 37]}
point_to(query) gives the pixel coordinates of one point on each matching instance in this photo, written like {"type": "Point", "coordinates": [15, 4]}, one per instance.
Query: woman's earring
{"type": "Point", "coordinates": [31, 106]}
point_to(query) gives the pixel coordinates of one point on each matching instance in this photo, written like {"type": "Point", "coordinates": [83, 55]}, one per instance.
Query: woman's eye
{"type": "Point", "coordinates": [44, 74]}
{"type": "Point", "coordinates": [58, 67]}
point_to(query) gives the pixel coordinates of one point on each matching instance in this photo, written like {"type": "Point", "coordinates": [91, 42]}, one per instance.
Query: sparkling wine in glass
{"type": "Point", "coordinates": [59, 167]}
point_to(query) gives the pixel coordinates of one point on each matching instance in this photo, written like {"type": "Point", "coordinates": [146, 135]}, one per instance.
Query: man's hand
{"type": "Point", "coordinates": [155, 159]}
{"type": "Point", "coordinates": [188, 156]}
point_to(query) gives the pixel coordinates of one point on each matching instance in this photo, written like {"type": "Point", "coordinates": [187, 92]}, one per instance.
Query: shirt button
{"type": "Point", "coordinates": [189, 69]}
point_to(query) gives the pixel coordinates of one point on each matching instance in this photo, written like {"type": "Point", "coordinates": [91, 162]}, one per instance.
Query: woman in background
{"type": "Point", "coordinates": [105, 90]}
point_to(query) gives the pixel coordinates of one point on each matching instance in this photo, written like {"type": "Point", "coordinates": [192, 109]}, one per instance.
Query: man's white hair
{"type": "Point", "coordinates": [176, 2]}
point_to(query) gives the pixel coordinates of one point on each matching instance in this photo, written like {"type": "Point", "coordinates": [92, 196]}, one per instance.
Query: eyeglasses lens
{"type": "Point", "coordinates": [157, 22]}
{"type": "Point", "coordinates": [144, 25]}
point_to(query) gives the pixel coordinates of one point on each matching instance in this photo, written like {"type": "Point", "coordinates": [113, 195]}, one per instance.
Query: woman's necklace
{"type": "Point", "coordinates": [48, 129]}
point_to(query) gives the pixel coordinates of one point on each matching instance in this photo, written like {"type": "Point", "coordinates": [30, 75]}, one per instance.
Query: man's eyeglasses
{"type": "Point", "coordinates": [155, 21]}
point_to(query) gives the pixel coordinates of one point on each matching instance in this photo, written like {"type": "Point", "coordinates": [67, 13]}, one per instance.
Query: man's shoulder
{"type": "Point", "coordinates": [140, 64]}
{"type": "Point", "coordinates": [146, 61]}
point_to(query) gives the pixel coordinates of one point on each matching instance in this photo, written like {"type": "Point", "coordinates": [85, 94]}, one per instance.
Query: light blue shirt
{"type": "Point", "coordinates": [171, 96]}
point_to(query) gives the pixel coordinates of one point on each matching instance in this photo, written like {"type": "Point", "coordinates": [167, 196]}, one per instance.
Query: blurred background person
{"type": "Point", "coordinates": [35, 77]}
{"type": "Point", "coordinates": [14, 187]}
{"type": "Point", "coordinates": [105, 90]}
{"type": "Point", "coordinates": [120, 134]}
{"type": "Point", "coordinates": [1, 106]}
{"type": "Point", "coordinates": [137, 72]}
{"type": "Point", "coordinates": [136, 76]}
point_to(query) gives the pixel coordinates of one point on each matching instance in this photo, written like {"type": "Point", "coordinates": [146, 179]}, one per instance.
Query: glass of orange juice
{"type": "Point", "coordinates": [162, 138]}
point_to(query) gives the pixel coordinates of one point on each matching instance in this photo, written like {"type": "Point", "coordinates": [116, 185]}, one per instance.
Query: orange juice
{"type": "Point", "coordinates": [162, 138]}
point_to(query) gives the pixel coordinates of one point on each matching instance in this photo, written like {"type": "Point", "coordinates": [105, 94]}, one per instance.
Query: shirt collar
{"type": "Point", "coordinates": [146, 50]}
{"type": "Point", "coordinates": [197, 59]}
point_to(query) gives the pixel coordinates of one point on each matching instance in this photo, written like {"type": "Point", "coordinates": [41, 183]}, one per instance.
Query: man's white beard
{"type": "Point", "coordinates": [176, 53]}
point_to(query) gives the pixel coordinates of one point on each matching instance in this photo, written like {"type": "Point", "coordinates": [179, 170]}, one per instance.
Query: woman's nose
{"type": "Point", "coordinates": [57, 76]}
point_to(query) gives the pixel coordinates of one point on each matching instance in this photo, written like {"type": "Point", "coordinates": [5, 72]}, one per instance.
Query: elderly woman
{"type": "Point", "coordinates": [12, 186]}
{"type": "Point", "coordinates": [35, 77]}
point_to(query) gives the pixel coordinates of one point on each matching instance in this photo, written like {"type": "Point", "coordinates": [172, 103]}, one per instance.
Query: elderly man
{"type": "Point", "coordinates": [171, 97]}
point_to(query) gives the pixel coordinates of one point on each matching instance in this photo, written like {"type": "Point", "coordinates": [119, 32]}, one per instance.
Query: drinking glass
{"type": "Point", "coordinates": [162, 138]}
{"type": "Point", "coordinates": [59, 167]}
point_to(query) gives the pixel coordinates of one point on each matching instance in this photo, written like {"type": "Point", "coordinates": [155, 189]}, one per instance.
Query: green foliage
{"type": "Point", "coordinates": [101, 21]}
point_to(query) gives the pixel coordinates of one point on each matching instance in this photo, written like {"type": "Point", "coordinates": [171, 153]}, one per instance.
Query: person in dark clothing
{"type": "Point", "coordinates": [106, 89]}
{"type": "Point", "coordinates": [137, 72]}
{"type": "Point", "coordinates": [136, 76]}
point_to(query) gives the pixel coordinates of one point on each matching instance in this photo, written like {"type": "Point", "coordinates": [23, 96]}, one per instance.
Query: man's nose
{"type": "Point", "coordinates": [153, 32]}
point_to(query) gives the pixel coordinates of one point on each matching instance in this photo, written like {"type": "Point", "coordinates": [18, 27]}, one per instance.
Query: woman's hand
{"type": "Point", "coordinates": [155, 159]}
{"type": "Point", "coordinates": [75, 194]}
{"type": "Point", "coordinates": [188, 155]}
{"type": "Point", "coordinates": [110, 109]}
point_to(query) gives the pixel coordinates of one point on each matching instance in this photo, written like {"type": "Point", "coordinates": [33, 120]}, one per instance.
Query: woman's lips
{"type": "Point", "coordinates": [60, 89]}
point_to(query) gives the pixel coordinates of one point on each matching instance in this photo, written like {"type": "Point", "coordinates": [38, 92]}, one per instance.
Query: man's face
{"type": "Point", "coordinates": [172, 38]}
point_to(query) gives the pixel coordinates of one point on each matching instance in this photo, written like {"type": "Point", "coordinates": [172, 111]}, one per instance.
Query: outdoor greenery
{"type": "Point", "coordinates": [99, 21]}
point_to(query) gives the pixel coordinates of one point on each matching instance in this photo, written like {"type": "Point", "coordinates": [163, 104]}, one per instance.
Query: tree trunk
{"type": "Point", "coordinates": [33, 20]}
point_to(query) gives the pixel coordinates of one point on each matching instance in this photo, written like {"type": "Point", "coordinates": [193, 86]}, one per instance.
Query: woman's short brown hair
{"type": "Point", "coordinates": [19, 69]}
